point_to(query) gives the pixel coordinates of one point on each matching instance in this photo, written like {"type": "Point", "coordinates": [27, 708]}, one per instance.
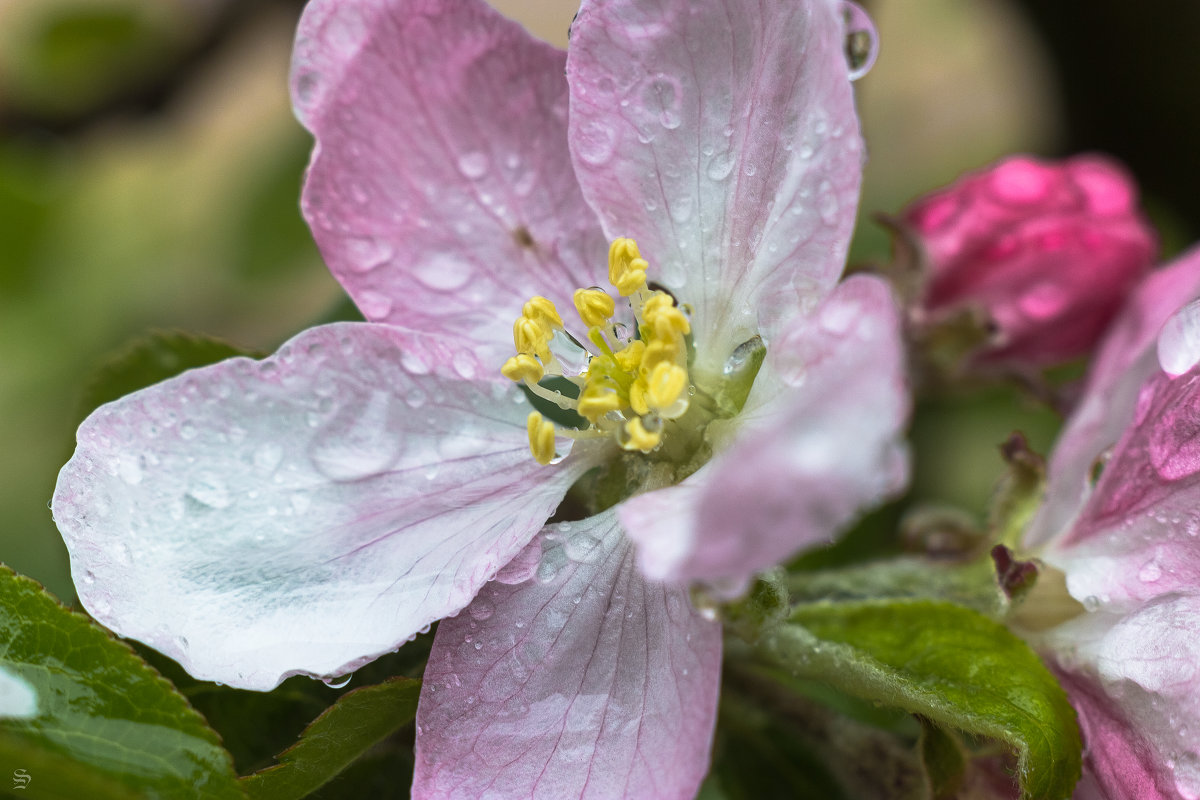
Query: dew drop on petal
{"type": "Point", "coordinates": [337, 683]}
{"type": "Point", "coordinates": [368, 252]}
{"type": "Point", "coordinates": [359, 441]}
{"type": "Point", "coordinates": [862, 40]}
{"type": "Point", "coordinates": [1150, 572]}
{"type": "Point", "coordinates": [720, 165]}
{"type": "Point", "coordinates": [481, 609]}
{"type": "Point", "coordinates": [473, 165]}
{"type": "Point", "coordinates": [595, 142]}
{"type": "Point", "coordinates": [209, 490]}
{"type": "Point", "coordinates": [442, 272]}
{"type": "Point", "coordinates": [374, 305]}
{"type": "Point", "coordinates": [1179, 341]}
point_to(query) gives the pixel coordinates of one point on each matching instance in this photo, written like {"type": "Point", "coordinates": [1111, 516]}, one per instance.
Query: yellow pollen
{"type": "Point", "coordinates": [541, 437]}
{"type": "Point", "coordinates": [543, 311]}
{"type": "Point", "coordinates": [523, 367]}
{"type": "Point", "coordinates": [629, 387]}
{"type": "Point", "coordinates": [595, 307]}
{"type": "Point", "coordinates": [639, 437]}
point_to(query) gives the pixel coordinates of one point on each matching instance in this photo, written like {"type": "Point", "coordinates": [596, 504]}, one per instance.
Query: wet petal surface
{"type": "Point", "coordinates": [306, 512]}
{"type": "Point", "coordinates": [583, 681]}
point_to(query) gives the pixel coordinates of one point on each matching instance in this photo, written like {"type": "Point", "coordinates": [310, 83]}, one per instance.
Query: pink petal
{"type": "Point", "coordinates": [1125, 360]}
{"type": "Point", "coordinates": [584, 681]}
{"type": "Point", "coordinates": [722, 137]}
{"type": "Point", "coordinates": [1139, 535]}
{"type": "Point", "coordinates": [304, 513]}
{"type": "Point", "coordinates": [1132, 679]}
{"type": "Point", "coordinates": [820, 442]}
{"type": "Point", "coordinates": [441, 191]}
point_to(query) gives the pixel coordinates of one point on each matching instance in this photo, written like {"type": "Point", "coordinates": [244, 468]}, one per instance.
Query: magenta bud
{"type": "Point", "coordinates": [1047, 251]}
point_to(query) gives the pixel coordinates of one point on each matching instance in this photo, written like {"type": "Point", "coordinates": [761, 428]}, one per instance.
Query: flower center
{"type": "Point", "coordinates": [628, 386]}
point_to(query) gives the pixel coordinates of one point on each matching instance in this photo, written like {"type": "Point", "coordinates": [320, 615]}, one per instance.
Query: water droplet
{"type": "Point", "coordinates": [211, 491]}
{"type": "Point", "coordinates": [414, 362]}
{"type": "Point", "coordinates": [442, 272]}
{"type": "Point", "coordinates": [415, 397]}
{"type": "Point", "coordinates": [426, 628]}
{"type": "Point", "coordinates": [1179, 341]}
{"type": "Point", "coordinates": [827, 203]}
{"type": "Point", "coordinates": [465, 365]}
{"type": "Point", "coordinates": [480, 609]}
{"type": "Point", "coordinates": [862, 40]}
{"type": "Point", "coordinates": [681, 208]}
{"type": "Point", "coordinates": [473, 165]}
{"type": "Point", "coordinates": [188, 431]}
{"type": "Point", "coordinates": [268, 456]}
{"type": "Point", "coordinates": [595, 142]}
{"type": "Point", "coordinates": [374, 305]}
{"type": "Point", "coordinates": [366, 253]}
{"type": "Point", "coordinates": [1150, 572]}
{"type": "Point", "coordinates": [129, 468]}
{"type": "Point", "coordinates": [337, 683]}
{"type": "Point", "coordinates": [360, 441]}
{"type": "Point", "coordinates": [720, 165]}
{"type": "Point", "coordinates": [661, 95]}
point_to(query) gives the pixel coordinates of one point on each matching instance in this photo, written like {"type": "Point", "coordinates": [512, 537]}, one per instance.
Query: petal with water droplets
{"type": "Point", "coordinates": [1132, 677]}
{"type": "Point", "coordinates": [441, 191]}
{"type": "Point", "coordinates": [722, 137]}
{"type": "Point", "coordinates": [255, 519]}
{"type": "Point", "coordinates": [1126, 359]}
{"type": "Point", "coordinates": [821, 440]}
{"type": "Point", "coordinates": [585, 681]}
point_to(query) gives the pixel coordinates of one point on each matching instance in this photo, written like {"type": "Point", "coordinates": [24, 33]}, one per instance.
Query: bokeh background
{"type": "Point", "coordinates": [150, 169]}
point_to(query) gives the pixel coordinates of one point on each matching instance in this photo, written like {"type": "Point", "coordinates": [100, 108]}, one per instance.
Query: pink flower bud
{"type": "Point", "coordinates": [1048, 251]}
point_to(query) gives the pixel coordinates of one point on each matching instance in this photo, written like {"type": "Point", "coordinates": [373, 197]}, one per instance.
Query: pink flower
{"type": "Point", "coordinates": [1129, 546]}
{"type": "Point", "coordinates": [306, 513]}
{"type": "Point", "coordinates": [1047, 251]}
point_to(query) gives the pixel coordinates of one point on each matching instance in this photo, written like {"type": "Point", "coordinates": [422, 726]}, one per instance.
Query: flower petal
{"type": "Point", "coordinates": [722, 137]}
{"type": "Point", "coordinates": [1125, 360]}
{"type": "Point", "coordinates": [820, 441]}
{"type": "Point", "coordinates": [1139, 535]}
{"type": "Point", "coordinates": [1132, 678]}
{"type": "Point", "coordinates": [584, 681]}
{"type": "Point", "coordinates": [441, 191]}
{"type": "Point", "coordinates": [304, 513]}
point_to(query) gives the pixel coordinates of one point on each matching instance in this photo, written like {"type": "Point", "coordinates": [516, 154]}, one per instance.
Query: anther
{"type": "Point", "coordinates": [638, 438]}
{"type": "Point", "coordinates": [595, 306]}
{"type": "Point", "coordinates": [532, 336]}
{"type": "Point", "coordinates": [665, 385]}
{"type": "Point", "coordinates": [541, 437]}
{"type": "Point", "coordinates": [523, 367]}
{"type": "Point", "coordinates": [542, 310]}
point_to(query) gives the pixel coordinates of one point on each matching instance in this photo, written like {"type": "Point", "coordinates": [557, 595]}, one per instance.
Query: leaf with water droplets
{"type": "Point", "coordinates": [358, 721]}
{"type": "Point", "coordinates": [95, 721]}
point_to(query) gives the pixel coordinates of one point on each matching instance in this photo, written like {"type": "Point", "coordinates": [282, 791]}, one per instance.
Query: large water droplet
{"type": "Point", "coordinates": [720, 165]}
{"type": "Point", "coordinates": [209, 490]}
{"type": "Point", "coordinates": [359, 442]}
{"type": "Point", "coordinates": [368, 252]}
{"type": "Point", "coordinates": [1150, 572]}
{"type": "Point", "coordinates": [374, 305]}
{"type": "Point", "coordinates": [595, 142]}
{"type": "Point", "coordinates": [442, 272]}
{"type": "Point", "coordinates": [473, 165]}
{"type": "Point", "coordinates": [129, 468]}
{"type": "Point", "coordinates": [337, 683]}
{"type": "Point", "coordinates": [862, 40]}
{"type": "Point", "coordinates": [481, 609]}
{"type": "Point", "coordinates": [1179, 341]}
{"type": "Point", "coordinates": [661, 96]}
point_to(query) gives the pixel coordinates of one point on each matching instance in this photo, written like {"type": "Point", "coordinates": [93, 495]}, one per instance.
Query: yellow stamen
{"type": "Point", "coordinates": [665, 385]}
{"type": "Point", "coordinates": [541, 437]}
{"type": "Point", "coordinates": [626, 267]}
{"type": "Point", "coordinates": [523, 367]}
{"type": "Point", "coordinates": [637, 398]}
{"type": "Point", "coordinates": [595, 307]}
{"type": "Point", "coordinates": [639, 438]}
{"type": "Point", "coordinates": [543, 311]}
{"type": "Point", "coordinates": [595, 402]}
{"type": "Point", "coordinates": [532, 336]}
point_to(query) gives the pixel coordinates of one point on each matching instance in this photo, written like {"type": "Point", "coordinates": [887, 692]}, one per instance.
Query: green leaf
{"type": "Point", "coordinates": [349, 728]}
{"type": "Point", "coordinates": [944, 761]}
{"type": "Point", "coordinates": [153, 358]}
{"type": "Point", "coordinates": [949, 664]}
{"type": "Point", "coordinates": [88, 718]}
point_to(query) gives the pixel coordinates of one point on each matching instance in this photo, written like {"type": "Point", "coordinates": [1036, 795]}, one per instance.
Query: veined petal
{"type": "Point", "coordinates": [820, 440]}
{"type": "Point", "coordinates": [722, 137]}
{"type": "Point", "coordinates": [441, 191]}
{"type": "Point", "coordinates": [304, 513]}
{"type": "Point", "coordinates": [585, 681]}
{"type": "Point", "coordinates": [1125, 360]}
{"type": "Point", "coordinates": [1132, 679]}
{"type": "Point", "coordinates": [1139, 535]}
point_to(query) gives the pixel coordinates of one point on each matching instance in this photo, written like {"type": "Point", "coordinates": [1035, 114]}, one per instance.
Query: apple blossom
{"type": "Point", "coordinates": [306, 513]}
{"type": "Point", "coordinates": [1128, 543]}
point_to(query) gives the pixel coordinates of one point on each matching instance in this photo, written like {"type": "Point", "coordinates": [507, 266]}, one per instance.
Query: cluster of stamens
{"type": "Point", "coordinates": [630, 387]}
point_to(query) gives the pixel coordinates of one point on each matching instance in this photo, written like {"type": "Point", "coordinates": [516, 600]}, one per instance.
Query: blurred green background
{"type": "Point", "coordinates": [150, 170]}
